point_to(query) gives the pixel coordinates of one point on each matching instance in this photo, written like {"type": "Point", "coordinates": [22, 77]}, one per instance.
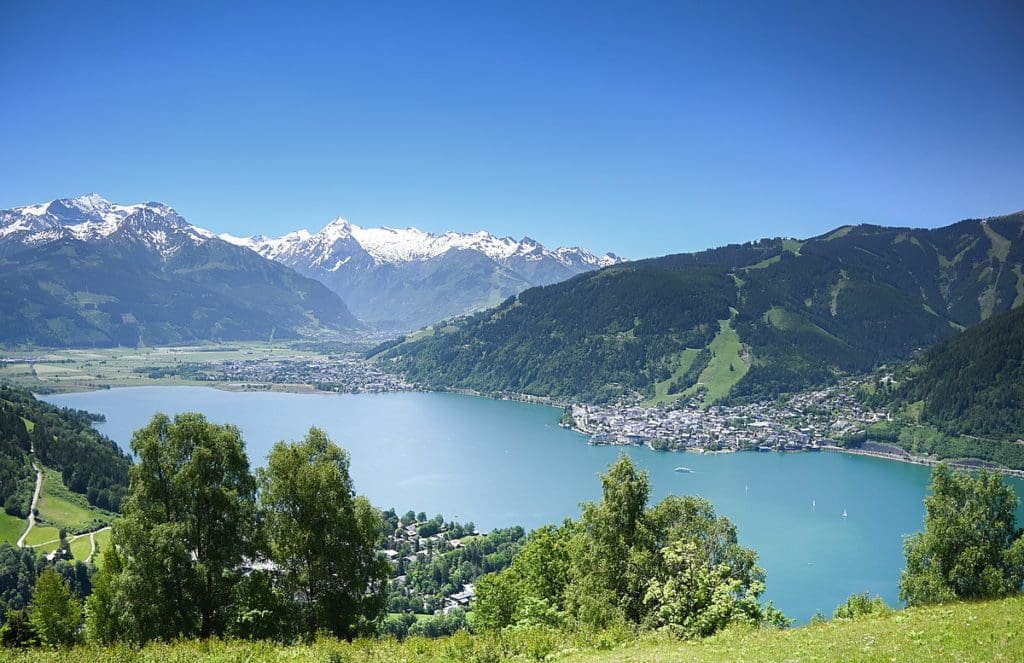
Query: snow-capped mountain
{"type": "Point", "coordinates": [91, 218]}
{"type": "Point", "coordinates": [86, 271]}
{"type": "Point", "coordinates": [405, 278]}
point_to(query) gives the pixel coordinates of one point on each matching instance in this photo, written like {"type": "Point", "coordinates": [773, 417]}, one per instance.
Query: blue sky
{"type": "Point", "coordinates": [641, 128]}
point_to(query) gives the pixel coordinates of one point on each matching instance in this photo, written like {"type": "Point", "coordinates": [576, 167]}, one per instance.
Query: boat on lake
{"type": "Point", "coordinates": [684, 470]}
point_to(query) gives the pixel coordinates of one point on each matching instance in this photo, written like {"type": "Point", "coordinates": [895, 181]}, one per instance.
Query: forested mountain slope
{"type": "Point", "coordinates": [972, 384]}
{"type": "Point", "coordinates": [65, 440]}
{"type": "Point", "coordinates": [748, 321]}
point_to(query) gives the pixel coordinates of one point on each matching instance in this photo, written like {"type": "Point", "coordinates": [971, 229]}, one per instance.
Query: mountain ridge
{"type": "Point", "coordinates": [804, 312]}
{"type": "Point", "coordinates": [406, 278]}
{"type": "Point", "coordinates": [84, 271]}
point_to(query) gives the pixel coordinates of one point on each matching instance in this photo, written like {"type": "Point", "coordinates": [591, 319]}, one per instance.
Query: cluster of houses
{"type": "Point", "coordinates": [408, 546]}
{"type": "Point", "coordinates": [805, 421]}
{"type": "Point", "coordinates": [345, 373]}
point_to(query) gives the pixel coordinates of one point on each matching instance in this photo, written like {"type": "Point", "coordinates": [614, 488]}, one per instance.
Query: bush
{"type": "Point", "coordinates": [859, 605]}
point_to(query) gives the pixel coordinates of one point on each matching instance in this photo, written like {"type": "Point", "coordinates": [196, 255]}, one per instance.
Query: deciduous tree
{"type": "Point", "coordinates": [971, 547]}
{"type": "Point", "coordinates": [323, 536]}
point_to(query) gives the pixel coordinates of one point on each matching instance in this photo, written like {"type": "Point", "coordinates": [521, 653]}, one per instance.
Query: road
{"type": "Point", "coordinates": [32, 509]}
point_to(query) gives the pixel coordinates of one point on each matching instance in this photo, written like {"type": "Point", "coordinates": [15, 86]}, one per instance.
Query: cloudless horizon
{"type": "Point", "coordinates": [642, 129]}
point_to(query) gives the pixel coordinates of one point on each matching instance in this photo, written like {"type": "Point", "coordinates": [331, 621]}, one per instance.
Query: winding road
{"type": "Point", "coordinates": [32, 509]}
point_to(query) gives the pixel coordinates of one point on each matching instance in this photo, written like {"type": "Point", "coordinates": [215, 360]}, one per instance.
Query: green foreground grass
{"type": "Point", "coordinates": [988, 631]}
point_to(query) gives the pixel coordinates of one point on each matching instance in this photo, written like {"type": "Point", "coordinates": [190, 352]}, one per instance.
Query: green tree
{"type": "Point", "coordinates": [189, 520]}
{"type": "Point", "coordinates": [18, 630]}
{"type": "Point", "coordinates": [56, 614]}
{"type": "Point", "coordinates": [607, 586]}
{"type": "Point", "coordinates": [693, 598]}
{"type": "Point", "coordinates": [103, 622]}
{"type": "Point", "coordinates": [971, 547]}
{"type": "Point", "coordinates": [323, 536]}
{"type": "Point", "coordinates": [497, 603]}
{"type": "Point", "coordinates": [859, 605]}
{"type": "Point", "coordinates": [676, 565]}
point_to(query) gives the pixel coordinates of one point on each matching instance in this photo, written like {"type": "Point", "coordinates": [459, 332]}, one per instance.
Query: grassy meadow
{"type": "Point", "coordinates": [987, 631]}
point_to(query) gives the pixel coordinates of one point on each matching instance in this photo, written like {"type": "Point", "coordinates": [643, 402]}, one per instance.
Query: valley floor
{"type": "Point", "coordinates": [988, 631]}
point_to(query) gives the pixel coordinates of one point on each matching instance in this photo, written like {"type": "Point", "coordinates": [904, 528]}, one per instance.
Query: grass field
{"type": "Point", "coordinates": [60, 507]}
{"type": "Point", "coordinates": [102, 543]}
{"type": "Point", "coordinates": [991, 631]}
{"type": "Point", "coordinates": [43, 538]}
{"type": "Point", "coordinates": [683, 362]}
{"type": "Point", "coordinates": [11, 528]}
{"type": "Point", "coordinates": [82, 370]}
{"type": "Point", "coordinates": [727, 365]}
{"type": "Point", "coordinates": [81, 547]}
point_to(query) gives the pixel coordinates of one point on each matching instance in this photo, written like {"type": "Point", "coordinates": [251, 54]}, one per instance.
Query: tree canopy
{"type": "Point", "coordinates": [323, 536]}
{"type": "Point", "coordinates": [971, 547]}
{"type": "Point", "coordinates": [676, 565]}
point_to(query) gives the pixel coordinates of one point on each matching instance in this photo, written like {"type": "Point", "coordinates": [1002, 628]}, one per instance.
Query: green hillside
{"type": "Point", "coordinates": [85, 468]}
{"type": "Point", "coordinates": [804, 311]}
{"type": "Point", "coordinates": [100, 294]}
{"type": "Point", "coordinates": [988, 631]}
{"type": "Point", "coordinates": [962, 398]}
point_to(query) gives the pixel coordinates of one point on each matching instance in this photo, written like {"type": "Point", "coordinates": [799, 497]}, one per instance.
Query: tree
{"type": "Point", "coordinates": [611, 529]}
{"type": "Point", "coordinates": [676, 565]}
{"type": "Point", "coordinates": [693, 599]}
{"type": "Point", "coordinates": [18, 569]}
{"type": "Point", "coordinates": [55, 614]}
{"type": "Point", "coordinates": [189, 521]}
{"type": "Point", "coordinates": [971, 547]}
{"type": "Point", "coordinates": [322, 536]}
{"type": "Point", "coordinates": [18, 630]}
{"type": "Point", "coordinates": [859, 605]}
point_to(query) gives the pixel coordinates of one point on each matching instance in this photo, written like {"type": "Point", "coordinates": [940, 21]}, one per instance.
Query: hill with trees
{"type": "Point", "coordinates": [777, 315]}
{"type": "Point", "coordinates": [974, 383]}
{"type": "Point", "coordinates": [85, 272]}
{"type": "Point", "coordinates": [63, 439]}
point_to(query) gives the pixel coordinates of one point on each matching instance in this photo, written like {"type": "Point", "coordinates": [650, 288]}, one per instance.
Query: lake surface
{"type": "Point", "coordinates": [500, 463]}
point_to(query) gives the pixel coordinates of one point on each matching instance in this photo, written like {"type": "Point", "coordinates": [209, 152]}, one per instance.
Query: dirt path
{"type": "Point", "coordinates": [32, 509]}
{"type": "Point", "coordinates": [92, 541]}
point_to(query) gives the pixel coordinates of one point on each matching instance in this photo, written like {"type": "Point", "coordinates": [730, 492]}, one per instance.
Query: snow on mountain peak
{"type": "Point", "coordinates": [92, 217]}
{"type": "Point", "coordinates": [335, 243]}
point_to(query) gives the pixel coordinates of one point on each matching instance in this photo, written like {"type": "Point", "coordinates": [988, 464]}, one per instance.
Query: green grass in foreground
{"type": "Point", "coordinates": [11, 528]}
{"type": "Point", "coordinates": [991, 631]}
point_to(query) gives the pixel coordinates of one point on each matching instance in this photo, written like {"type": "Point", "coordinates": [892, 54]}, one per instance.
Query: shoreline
{"type": "Point", "coordinates": [929, 462]}
{"type": "Point", "coordinates": [549, 402]}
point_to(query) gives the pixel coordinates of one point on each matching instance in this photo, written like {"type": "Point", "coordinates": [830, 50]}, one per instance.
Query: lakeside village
{"type": "Point", "coordinates": [808, 421]}
{"type": "Point", "coordinates": [346, 373]}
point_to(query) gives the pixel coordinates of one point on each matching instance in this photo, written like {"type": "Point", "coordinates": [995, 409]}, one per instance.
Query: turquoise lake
{"type": "Point", "coordinates": [500, 463]}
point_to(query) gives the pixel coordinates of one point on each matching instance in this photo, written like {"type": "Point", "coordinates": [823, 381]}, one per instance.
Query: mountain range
{"type": "Point", "coordinates": [403, 279]}
{"type": "Point", "coordinates": [740, 322]}
{"type": "Point", "coordinates": [87, 272]}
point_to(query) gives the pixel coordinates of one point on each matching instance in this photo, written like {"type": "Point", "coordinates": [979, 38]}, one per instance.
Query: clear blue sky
{"type": "Point", "coordinates": [642, 128]}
